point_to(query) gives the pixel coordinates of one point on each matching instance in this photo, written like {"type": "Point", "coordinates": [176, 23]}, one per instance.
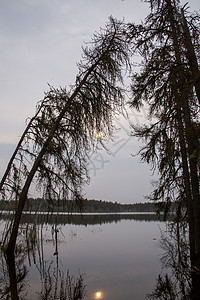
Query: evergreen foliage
{"type": "Point", "coordinates": [53, 151]}
{"type": "Point", "coordinates": [87, 206]}
{"type": "Point", "coordinates": [168, 42]}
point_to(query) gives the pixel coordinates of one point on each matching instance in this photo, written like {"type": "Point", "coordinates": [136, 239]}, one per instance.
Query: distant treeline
{"type": "Point", "coordinates": [87, 206]}
{"type": "Point", "coordinates": [83, 219]}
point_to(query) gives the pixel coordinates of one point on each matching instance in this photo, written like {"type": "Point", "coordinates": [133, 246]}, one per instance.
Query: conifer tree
{"type": "Point", "coordinates": [168, 42]}
{"type": "Point", "coordinates": [53, 153]}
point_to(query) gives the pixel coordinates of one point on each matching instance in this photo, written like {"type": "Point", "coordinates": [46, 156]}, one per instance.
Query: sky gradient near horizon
{"type": "Point", "coordinates": [41, 43]}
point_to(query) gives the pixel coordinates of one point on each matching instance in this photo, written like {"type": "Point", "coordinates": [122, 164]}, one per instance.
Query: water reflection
{"type": "Point", "coordinates": [99, 295]}
{"type": "Point", "coordinates": [58, 285]}
{"type": "Point", "coordinates": [116, 254]}
{"type": "Point", "coordinates": [84, 219]}
{"type": "Point", "coordinates": [178, 279]}
{"type": "Point", "coordinates": [55, 283]}
{"type": "Point", "coordinates": [13, 283]}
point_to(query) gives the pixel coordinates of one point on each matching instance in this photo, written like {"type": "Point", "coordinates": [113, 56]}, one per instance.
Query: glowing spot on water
{"type": "Point", "coordinates": [98, 295]}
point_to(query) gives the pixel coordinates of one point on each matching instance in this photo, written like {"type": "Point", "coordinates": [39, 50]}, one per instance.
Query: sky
{"type": "Point", "coordinates": [41, 43]}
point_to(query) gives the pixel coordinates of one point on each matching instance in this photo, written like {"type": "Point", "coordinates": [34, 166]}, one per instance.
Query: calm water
{"type": "Point", "coordinates": [117, 257]}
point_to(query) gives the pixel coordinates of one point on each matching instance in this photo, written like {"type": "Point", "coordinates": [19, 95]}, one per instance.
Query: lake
{"type": "Point", "coordinates": [117, 256]}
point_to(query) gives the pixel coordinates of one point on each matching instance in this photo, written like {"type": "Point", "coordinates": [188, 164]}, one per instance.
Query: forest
{"type": "Point", "coordinates": [85, 206]}
{"type": "Point", "coordinates": [52, 153]}
{"type": "Point", "coordinates": [83, 219]}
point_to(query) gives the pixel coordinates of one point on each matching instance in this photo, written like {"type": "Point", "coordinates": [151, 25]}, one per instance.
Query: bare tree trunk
{"type": "Point", "coordinates": [191, 147]}
{"type": "Point", "coordinates": [191, 56]}
{"type": "Point", "coordinates": [10, 259]}
{"type": "Point", "coordinates": [186, 179]}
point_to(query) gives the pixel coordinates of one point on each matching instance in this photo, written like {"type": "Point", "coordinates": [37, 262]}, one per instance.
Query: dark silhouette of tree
{"type": "Point", "coordinates": [61, 286]}
{"type": "Point", "coordinates": [175, 280]}
{"type": "Point", "coordinates": [55, 282]}
{"type": "Point", "coordinates": [54, 150]}
{"type": "Point", "coordinates": [10, 165]}
{"type": "Point", "coordinates": [168, 42]}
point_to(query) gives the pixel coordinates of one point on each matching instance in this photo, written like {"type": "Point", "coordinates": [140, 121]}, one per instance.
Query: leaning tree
{"type": "Point", "coordinates": [52, 154]}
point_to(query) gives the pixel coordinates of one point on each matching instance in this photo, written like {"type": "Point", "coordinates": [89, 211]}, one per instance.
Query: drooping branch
{"type": "Point", "coordinates": [64, 129]}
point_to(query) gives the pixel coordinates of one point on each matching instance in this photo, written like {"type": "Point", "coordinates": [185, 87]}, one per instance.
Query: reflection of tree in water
{"type": "Point", "coordinates": [20, 278]}
{"type": "Point", "coordinates": [175, 282]}
{"type": "Point", "coordinates": [87, 219]}
{"type": "Point", "coordinates": [30, 252]}
{"type": "Point", "coordinates": [55, 284]}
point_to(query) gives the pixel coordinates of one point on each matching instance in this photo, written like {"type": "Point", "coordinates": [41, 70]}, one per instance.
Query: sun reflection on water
{"type": "Point", "coordinates": [98, 295]}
